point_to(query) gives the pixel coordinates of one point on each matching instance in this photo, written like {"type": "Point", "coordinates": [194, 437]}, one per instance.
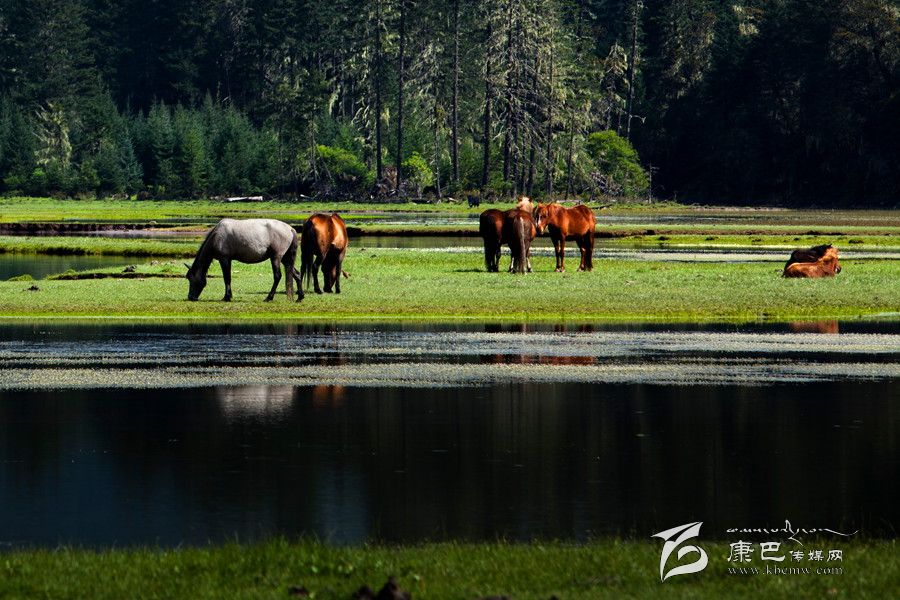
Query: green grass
{"type": "Point", "coordinates": [78, 245]}
{"type": "Point", "coordinates": [186, 247]}
{"type": "Point", "coordinates": [49, 210]}
{"type": "Point", "coordinates": [601, 569]}
{"type": "Point", "coordinates": [435, 285]}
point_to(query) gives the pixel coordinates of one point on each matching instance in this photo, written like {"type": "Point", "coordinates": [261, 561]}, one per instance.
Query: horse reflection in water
{"type": "Point", "coordinates": [814, 327]}
{"type": "Point", "coordinates": [329, 396]}
{"type": "Point", "coordinates": [238, 403]}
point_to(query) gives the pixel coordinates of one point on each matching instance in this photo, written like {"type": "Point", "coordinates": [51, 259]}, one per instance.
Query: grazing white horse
{"type": "Point", "coordinates": [246, 241]}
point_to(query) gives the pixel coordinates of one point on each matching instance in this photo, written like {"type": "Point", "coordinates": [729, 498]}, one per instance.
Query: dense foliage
{"type": "Point", "coordinates": [793, 101]}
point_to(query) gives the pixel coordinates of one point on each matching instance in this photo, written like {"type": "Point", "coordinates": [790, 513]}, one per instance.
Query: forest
{"type": "Point", "coordinates": [787, 102]}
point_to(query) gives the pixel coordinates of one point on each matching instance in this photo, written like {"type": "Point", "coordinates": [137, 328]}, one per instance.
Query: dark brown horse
{"type": "Point", "coordinates": [826, 266]}
{"type": "Point", "coordinates": [577, 223]}
{"type": "Point", "coordinates": [491, 229]}
{"type": "Point", "coordinates": [323, 244]}
{"type": "Point", "coordinates": [518, 233]}
{"type": "Point", "coordinates": [808, 255]}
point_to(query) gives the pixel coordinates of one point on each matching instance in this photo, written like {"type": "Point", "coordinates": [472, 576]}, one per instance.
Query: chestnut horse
{"type": "Point", "coordinates": [323, 244]}
{"type": "Point", "coordinates": [826, 266]}
{"type": "Point", "coordinates": [576, 223]}
{"type": "Point", "coordinates": [808, 255]}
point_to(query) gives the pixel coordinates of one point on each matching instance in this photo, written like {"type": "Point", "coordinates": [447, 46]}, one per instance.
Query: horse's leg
{"type": "Point", "coordinates": [225, 263]}
{"type": "Point", "coordinates": [560, 254]}
{"type": "Point", "coordinates": [590, 250]}
{"type": "Point", "coordinates": [328, 271]}
{"type": "Point", "coordinates": [299, 279]}
{"type": "Point", "coordinates": [337, 273]}
{"type": "Point", "coordinates": [317, 264]}
{"type": "Point", "coordinates": [276, 275]}
{"type": "Point", "coordinates": [581, 247]}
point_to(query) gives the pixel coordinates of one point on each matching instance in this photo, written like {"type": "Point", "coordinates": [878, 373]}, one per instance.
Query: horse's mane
{"type": "Point", "coordinates": [203, 244]}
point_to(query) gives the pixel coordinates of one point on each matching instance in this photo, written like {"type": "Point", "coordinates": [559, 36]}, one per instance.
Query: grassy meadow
{"type": "Point", "coordinates": [392, 284]}
{"type": "Point", "coordinates": [601, 569]}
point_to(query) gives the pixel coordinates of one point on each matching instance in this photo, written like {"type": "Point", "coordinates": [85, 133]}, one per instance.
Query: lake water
{"type": "Point", "coordinates": [570, 454]}
{"type": "Point", "coordinates": [41, 265]}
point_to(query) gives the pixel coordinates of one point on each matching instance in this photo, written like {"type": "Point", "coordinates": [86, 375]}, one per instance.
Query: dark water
{"type": "Point", "coordinates": [514, 460]}
{"type": "Point", "coordinates": [41, 265]}
{"type": "Point", "coordinates": [104, 467]}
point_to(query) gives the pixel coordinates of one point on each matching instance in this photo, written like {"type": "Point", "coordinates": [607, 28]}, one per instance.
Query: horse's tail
{"type": "Point", "coordinates": [522, 237]}
{"type": "Point", "coordinates": [306, 267]}
{"type": "Point", "coordinates": [289, 261]}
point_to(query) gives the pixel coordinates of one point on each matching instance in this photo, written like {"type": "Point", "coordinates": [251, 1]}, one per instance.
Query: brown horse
{"type": "Point", "coordinates": [826, 266]}
{"type": "Point", "coordinates": [576, 223]}
{"type": "Point", "coordinates": [518, 232]}
{"type": "Point", "coordinates": [323, 244]}
{"type": "Point", "coordinates": [808, 255]}
{"type": "Point", "coordinates": [491, 229]}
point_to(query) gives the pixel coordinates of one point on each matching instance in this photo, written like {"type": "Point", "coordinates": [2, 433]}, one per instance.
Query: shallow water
{"type": "Point", "coordinates": [750, 425]}
{"type": "Point", "coordinates": [41, 265]}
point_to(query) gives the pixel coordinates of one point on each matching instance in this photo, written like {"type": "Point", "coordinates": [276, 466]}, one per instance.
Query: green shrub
{"type": "Point", "coordinates": [25, 277]}
{"type": "Point", "coordinates": [417, 172]}
{"type": "Point", "coordinates": [618, 166]}
{"type": "Point", "coordinates": [340, 166]}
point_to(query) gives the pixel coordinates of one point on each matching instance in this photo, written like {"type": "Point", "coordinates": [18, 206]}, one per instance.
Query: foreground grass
{"type": "Point", "coordinates": [605, 569]}
{"type": "Point", "coordinates": [438, 285]}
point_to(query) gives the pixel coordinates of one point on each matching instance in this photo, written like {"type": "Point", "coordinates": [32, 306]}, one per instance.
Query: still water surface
{"type": "Point", "coordinates": [120, 467]}
{"type": "Point", "coordinates": [41, 265]}
{"type": "Point", "coordinates": [568, 460]}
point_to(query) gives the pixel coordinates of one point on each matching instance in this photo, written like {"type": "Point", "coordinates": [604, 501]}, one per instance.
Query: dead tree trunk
{"type": "Point", "coordinates": [401, 80]}
{"type": "Point", "coordinates": [632, 58]}
{"type": "Point", "coordinates": [507, 137]}
{"type": "Point", "coordinates": [548, 173]}
{"type": "Point", "coordinates": [454, 147]}
{"type": "Point", "coordinates": [377, 73]}
{"type": "Point", "coordinates": [488, 93]}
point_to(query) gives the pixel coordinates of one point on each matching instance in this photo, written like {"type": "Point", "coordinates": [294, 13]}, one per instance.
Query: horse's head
{"type": "Point", "coordinates": [197, 281]}
{"type": "Point", "coordinates": [541, 215]}
{"type": "Point", "coordinates": [830, 260]}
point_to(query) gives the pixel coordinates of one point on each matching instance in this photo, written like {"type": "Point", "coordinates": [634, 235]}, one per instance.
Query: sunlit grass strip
{"type": "Point", "coordinates": [186, 247]}
{"type": "Point", "coordinates": [408, 285]}
{"type": "Point", "coordinates": [599, 569]}
{"type": "Point", "coordinates": [25, 209]}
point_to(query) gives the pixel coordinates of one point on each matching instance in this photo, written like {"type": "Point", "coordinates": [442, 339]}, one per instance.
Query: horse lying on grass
{"type": "Point", "coordinates": [808, 255]}
{"type": "Point", "coordinates": [247, 241]}
{"type": "Point", "coordinates": [826, 265]}
{"type": "Point", "coordinates": [323, 245]}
